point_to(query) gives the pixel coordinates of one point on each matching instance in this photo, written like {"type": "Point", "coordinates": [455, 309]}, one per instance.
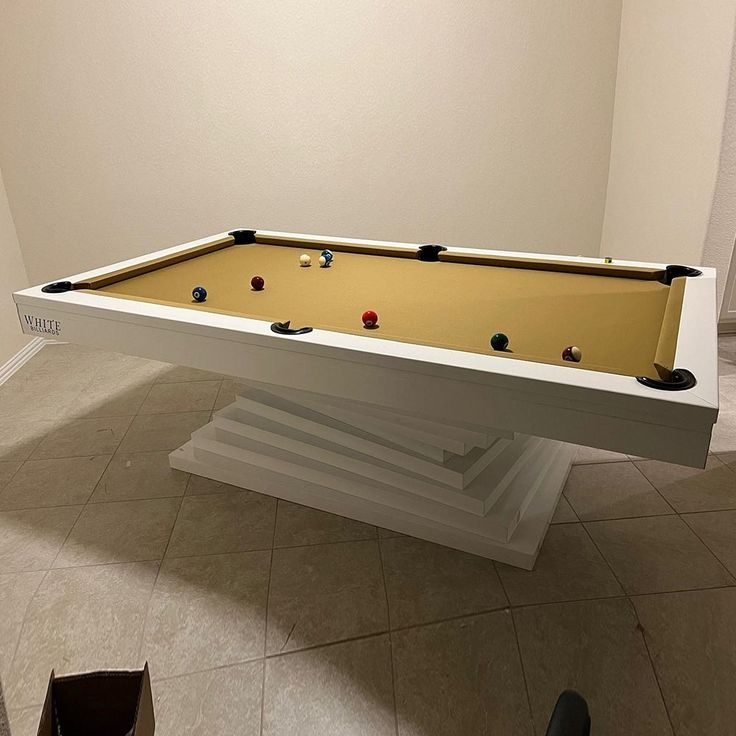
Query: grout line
{"type": "Point", "coordinates": [523, 670]}
{"type": "Point", "coordinates": [108, 564]}
{"type": "Point", "coordinates": [265, 622]}
{"type": "Point", "coordinates": [390, 635]}
{"type": "Point", "coordinates": [500, 577]}
{"type": "Point", "coordinates": [89, 503]}
{"type": "Point", "coordinates": [322, 645]}
{"type": "Point", "coordinates": [615, 518]}
{"type": "Point", "coordinates": [265, 549]}
{"type": "Point", "coordinates": [707, 546]}
{"type": "Point", "coordinates": [142, 635]}
{"type": "Point", "coordinates": [642, 634]}
{"type": "Point", "coordinates": [216, 668]}
{"type": "Point", "coordinates": [680, 591]}
{"type": "Point", "coordinates": [68, 534]}
{"type": "Point", "coordinates": [482, 612]}
{"type": "Point", "coordinates": [626, 459]}
{"type": "Point", "coordinates": [20, 637]}
{"type": "Point", "coordinates": [7, 483]}
{"type": "Point", "coordinates": [656, 490]}
{"type": "Point", "coordinates": [86, 503]}
{"type": "Point", "coordinates": [604, 558]}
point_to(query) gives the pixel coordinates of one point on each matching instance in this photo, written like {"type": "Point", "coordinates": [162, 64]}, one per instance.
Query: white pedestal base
{"type": "Point", "coordinates": [478, 489]}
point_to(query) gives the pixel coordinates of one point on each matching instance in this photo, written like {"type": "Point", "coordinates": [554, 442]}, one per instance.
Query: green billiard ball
{"type": "Point", "coordinates": [499, 341]}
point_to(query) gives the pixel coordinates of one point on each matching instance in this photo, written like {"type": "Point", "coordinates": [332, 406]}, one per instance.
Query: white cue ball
{"type": "Point", "coordinates": [322, 261]}
{"type": "Point", "coordinates": [305, 260]}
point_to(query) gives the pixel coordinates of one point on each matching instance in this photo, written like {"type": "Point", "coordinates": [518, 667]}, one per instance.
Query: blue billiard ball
{"type": "Point", "coordinates": [328, 256]}
{"type": "Point", "coordinates": [199, 293]}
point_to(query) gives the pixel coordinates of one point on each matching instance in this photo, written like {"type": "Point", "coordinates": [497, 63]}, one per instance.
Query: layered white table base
{"type": "Point", "coordinates": [478, 489]}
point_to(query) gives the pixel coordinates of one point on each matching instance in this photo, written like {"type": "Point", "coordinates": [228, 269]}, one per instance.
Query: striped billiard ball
{"type": "Point", "coordinates": [572, 353]}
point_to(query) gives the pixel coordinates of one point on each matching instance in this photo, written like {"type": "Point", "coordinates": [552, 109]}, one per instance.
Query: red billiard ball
{"type": "Point", "coordinates": [257, 283]}
{"type": "Point", "coordinates": [370, 318]}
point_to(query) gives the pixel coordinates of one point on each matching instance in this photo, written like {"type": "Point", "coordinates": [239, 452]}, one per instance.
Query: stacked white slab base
{"type": "Point", "coordinates": [479, 489]}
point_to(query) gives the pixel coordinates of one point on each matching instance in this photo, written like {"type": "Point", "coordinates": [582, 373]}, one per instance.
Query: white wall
{"type": "Point", "coordinates": [12, 277]}
{"type": "Point", "coordinates": [671, 90]}
{"type": "Point", "coordinates": [127, 125]}
{"type": "Point", "coordinates": [718, 250]}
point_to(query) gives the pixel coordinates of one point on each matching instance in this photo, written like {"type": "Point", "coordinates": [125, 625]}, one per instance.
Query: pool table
{"type": "Point", "coordinates": [419, 423]}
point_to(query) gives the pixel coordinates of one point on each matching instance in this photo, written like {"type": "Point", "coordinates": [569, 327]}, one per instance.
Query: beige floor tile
{"type": "Point", "coordinates": [120, 531]}
{"type": "Point", "coordinates": [231, 388]}
{"type": "Point", "coordinates": [594, 455]}
{"type": "Point", "coordinates": [426, 582]}
{"type": "Point", "coordinates": [324, 593]}
{"type": "Point", "coordinates": [564, 513]}
{"type": "Point", "coordinates": [100, 400]}
{"type": "Point", "coordinates": [689, 489]}
{"type": "Point", "coordinates": [568, 568]}
{"type": "Point", "coordinates": [237, 521]}
{"type": "Point", "coordinates": [57, 482]}
{"type": "Point", "coordinates": [692, 641]}
{"type": "Point", "coordinates": [31, 539]}
{"type": "Point", "coordinates": [460, 677]}
{"type": "Point", "coordinates": [612, 491]}
{"type": "Point", "coordinates": [25, 722]}
{"type": "Point", "coordinates": [723, 438]}
{"type": "Point", "coordinates": [589, 646]}
{"type": "Point", "coordinates": [180, 373]}
{"type": "Point", "coordinates": [134, 475]}
{"type": "Point", "coordinates": [726, 367]}
{"type": "Point", "coordinates": [8, 468]}
{"type": "Point", "coordinates": [222, 702]}
{"type": "Point", "coordinates": [297, 525]}
{"type": "Point", "coordinates": [728, 458]}
{"type": "Point", "coordinates": [16, 591]}
{"type": "Point", "coordinates": [20, 437]}
{"type": "Point", "coordinates": [167, 398]}
{"type": "Point", "coordinates": [80, 619]}
{"type": "Point", "coordinates": [718, 530]}
{"type": "Point", "coordinates": [115, 370]}
{"type": "Point", "coordinates": [727, 389]}
{"type": "Point", "coordinates": [331, 691]}
{"type": "Point", "coordinates": [207, 612]}
{"type": "Point", "coordinates": [199, 486]}
{"type": "Point", "coordinates": [83, 437]}
{"type": "Point", "coordinates": [20, 396]}
{"type": "Point", "coordinates": [657, 554]}
{"type": "Point", "coordinates": [162, 431]}
{"type": "Point", "coordinates": [225, 396]}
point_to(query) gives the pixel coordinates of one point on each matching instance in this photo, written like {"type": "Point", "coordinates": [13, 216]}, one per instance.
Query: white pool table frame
{"type": "Point", "coordinates": [442, 386]}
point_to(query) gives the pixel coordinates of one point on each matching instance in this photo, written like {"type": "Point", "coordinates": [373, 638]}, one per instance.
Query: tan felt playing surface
{"type": "Point", "coordinates": [616, 322]}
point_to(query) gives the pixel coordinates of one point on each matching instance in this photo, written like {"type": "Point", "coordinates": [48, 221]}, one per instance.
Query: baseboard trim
{"type": "Point", "coordinates": [21, 358]}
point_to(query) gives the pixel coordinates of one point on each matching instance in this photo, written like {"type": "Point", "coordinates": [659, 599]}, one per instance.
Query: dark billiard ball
{"type": "Point", "coordinates": [572, 353]}
{"type": "Point", "coordinates": [499, 341]}
{"type": "Point", "coordinates": [257, 283]}
{"type": "Point", "coordinates": [370, 318]}
{"type": "Point", "coordinates": [199, 293]}
{"type": "Point", "coordinates": [327, 255]}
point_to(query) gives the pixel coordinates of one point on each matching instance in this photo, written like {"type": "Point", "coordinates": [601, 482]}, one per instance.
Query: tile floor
{"type": "Point", "coordinates": [263, 617]}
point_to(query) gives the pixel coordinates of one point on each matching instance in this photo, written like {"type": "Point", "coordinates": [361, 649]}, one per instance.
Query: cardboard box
{"type": "Point", "coordinates": [114, 703]}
